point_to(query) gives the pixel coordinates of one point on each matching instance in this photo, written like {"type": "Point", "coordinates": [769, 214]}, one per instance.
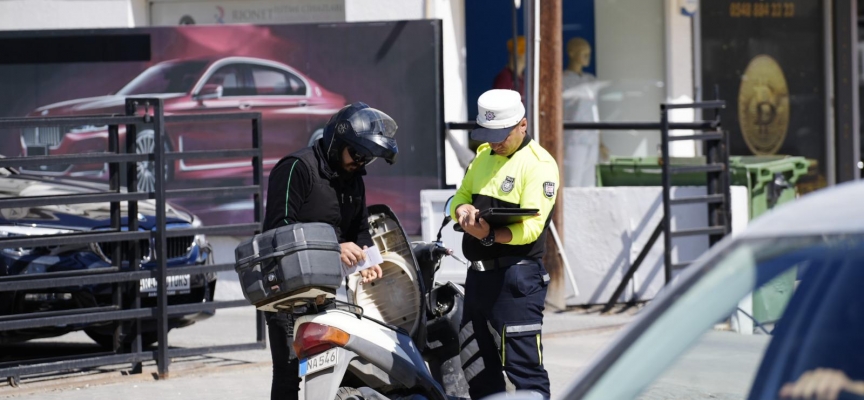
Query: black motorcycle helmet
{"type": "Point", "coordinates": [366, 130]}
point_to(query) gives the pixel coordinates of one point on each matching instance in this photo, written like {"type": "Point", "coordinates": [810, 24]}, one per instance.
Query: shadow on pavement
{"type": "Point", "coordinates": [35, 352]}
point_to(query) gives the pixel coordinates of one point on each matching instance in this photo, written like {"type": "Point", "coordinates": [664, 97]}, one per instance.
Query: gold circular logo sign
{"type": "Point", "coordinates": [763, 106]}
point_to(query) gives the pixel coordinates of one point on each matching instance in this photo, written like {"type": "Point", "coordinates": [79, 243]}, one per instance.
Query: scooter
{"type": "Point", "coordinates": [396, 337]}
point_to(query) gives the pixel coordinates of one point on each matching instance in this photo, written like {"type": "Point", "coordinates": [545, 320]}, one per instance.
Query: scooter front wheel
{"type": "Point", "coordinates": [349, 393]}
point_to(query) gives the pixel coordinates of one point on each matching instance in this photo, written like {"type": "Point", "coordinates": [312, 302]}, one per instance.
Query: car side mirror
{"type": "Point", "coordinates": [209, 91]}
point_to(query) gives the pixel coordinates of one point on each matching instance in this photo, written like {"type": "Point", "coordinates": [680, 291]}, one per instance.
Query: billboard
{"type": "Point", "coordinates": [297, 76]}
{"type": "Point", "coordinates": [196, 12]}
{"type": "Point", "coordinates": [768, 60]}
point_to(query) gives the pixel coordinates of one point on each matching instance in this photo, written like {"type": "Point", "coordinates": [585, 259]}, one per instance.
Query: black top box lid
{"type": "Point", "coordinates": [286, 239]}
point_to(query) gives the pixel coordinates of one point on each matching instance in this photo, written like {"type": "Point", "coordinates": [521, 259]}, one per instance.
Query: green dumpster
{"type": "Point", "coordinates": [646, 171]}
{"type": "Point", "coordinates": [770, 180]}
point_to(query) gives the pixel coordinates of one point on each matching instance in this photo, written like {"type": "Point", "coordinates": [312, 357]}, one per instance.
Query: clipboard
{"type": "Point", "coordinates": [498, 217]}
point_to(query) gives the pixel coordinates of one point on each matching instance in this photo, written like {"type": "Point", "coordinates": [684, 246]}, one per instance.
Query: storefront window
{"type": "Point", "coordinates": [614, 70]}
{"type": "Point", "coordinates": [768, 59]}
{"type": "Point", "coordinates": [623, 80]}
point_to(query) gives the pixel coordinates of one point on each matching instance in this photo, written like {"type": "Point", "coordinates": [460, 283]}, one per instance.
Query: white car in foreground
{"type": "Point", "coordinates": [812, 349]}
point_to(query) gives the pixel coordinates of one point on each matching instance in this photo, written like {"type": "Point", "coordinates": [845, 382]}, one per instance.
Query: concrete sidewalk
{"type": "Point", "coordinates": [247, 375]}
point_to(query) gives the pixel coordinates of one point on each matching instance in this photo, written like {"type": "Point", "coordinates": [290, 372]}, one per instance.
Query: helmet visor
{"type": "Point", "coordinates": [370, 121]}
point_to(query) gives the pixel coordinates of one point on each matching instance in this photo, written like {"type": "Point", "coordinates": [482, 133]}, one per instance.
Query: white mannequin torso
{"type": "Point", "coordinates": [581, 147]}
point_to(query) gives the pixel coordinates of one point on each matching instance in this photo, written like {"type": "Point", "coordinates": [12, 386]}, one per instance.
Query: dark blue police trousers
{"type": "Point", "coordinates": [500, 329]}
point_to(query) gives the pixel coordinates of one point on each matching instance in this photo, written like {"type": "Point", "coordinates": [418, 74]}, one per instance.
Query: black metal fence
{"type": "Point", "coordinates": [126, 312]}
{"type": "Point", "coordinates": [715, 147]}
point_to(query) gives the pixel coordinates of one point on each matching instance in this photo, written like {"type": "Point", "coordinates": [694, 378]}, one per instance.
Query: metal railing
{"type": "Point", "coordinates": [715, 147]}
{"type": "Point", "coordinates": [126, 312]}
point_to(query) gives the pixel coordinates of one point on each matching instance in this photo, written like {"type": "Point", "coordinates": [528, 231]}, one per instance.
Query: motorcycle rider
{"type": "Point", "coordinates": [324, 183]}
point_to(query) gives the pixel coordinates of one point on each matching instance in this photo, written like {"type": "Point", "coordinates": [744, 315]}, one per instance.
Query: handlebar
{"type": "Point", "coordinates": [442, 251]}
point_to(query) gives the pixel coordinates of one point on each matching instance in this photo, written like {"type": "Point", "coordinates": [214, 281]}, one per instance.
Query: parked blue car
{"type": "Point", "coordinates": [51, 220]}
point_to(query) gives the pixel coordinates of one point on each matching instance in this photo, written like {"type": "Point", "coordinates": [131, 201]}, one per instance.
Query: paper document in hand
{"type": "Point", "coordinates": [373, 257]}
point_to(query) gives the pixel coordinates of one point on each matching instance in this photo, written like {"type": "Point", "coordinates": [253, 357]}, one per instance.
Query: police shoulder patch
{"type": "Point", "coordinates": [549, 189]}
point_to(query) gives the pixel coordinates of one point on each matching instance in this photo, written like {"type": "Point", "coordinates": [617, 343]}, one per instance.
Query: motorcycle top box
{"type": "Point", "coordinates": [289, 265]}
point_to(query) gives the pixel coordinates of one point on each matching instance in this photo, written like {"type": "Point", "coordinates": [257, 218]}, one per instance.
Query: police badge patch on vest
{"type": "Point", "coordinates": [549, 189]}
{"type": "Point", "coordinates": [507, 185]}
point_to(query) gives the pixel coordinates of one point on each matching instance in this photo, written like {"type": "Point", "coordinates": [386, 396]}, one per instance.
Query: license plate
{"type": "Point", "coordinates": [177, 284]}
{"type": "Point", "coordinates": [37, 151]}
{"type": "Point", "coordinates": [318, 362]}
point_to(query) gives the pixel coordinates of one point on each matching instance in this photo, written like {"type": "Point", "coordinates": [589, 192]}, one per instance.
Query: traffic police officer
{"type": "Point", "coordinates": [505, 289]}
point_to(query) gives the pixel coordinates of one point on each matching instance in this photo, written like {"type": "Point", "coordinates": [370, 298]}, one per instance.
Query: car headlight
{"type": "Point", "coordinates": [200, 239]}
{"type": "Point", "coordinates": [32, 230]}
{"type": "Point", "coordinates": [23, 231]}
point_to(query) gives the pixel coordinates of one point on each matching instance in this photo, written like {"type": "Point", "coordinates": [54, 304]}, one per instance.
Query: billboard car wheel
{"type": "Point", "coordinates": [145, 142]}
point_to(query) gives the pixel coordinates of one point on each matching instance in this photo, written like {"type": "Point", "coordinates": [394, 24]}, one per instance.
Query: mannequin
{"type": "Point", "coordinates": [581, 147]}
{"type": "Point", "coordinates": [579, 54]}
{"type": "Point", "coordinates": [505, 78]}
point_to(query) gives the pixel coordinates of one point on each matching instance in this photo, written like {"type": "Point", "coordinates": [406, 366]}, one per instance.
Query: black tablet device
{"type": "Point", "coordinates": [498, 217]}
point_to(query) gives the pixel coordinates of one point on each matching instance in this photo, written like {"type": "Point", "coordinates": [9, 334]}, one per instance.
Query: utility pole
{"type": "Point", "coordinates": [550, 135]}
{"type": "Point", "coordinates": [847, 145]}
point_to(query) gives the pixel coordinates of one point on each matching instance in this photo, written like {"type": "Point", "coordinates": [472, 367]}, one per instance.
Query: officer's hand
{"type": "Point", "coordinates": [467, 215]}
{"type": "Point", "coordinates": [351, 253]}
{"type": "Point", "coordinates": [372, 273]}
{"type": "Point", "coordinates": [479, 229]}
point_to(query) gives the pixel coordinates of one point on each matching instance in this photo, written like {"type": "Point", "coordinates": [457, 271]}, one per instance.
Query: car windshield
{"type": "Point", "coordinates": [166, 77]}
{"type": "Point", "coordinates": [771, 318]}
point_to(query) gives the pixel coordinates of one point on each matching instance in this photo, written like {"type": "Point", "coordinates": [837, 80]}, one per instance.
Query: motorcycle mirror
{"type": "Point", "coordinates": [446, 217]}
{"type": "Point", "coordinates": [447, 206]}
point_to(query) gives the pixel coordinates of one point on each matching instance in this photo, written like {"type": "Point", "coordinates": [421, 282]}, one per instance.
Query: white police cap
{"type": "Point", "coordinates": [498, 111]}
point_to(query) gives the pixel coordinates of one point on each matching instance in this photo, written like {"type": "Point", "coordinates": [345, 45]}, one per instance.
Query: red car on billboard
{"type": "Point", "coordinates": [294, 110]}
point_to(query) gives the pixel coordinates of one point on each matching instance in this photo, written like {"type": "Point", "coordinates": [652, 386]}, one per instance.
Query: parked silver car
{"type": "Point", "coordinates": [805, 263]}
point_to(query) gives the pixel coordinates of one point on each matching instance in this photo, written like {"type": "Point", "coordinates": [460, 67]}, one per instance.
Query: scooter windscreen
{"type": "Point", "coordinates": [395, 298]}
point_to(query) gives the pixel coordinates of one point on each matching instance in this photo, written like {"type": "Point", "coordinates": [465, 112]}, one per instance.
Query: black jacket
{"type": "Point", "coordinates": [303, 187]}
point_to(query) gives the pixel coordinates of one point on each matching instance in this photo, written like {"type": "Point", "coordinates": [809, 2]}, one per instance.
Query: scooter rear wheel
{"type": "Point", "coordinates": [348, 393]}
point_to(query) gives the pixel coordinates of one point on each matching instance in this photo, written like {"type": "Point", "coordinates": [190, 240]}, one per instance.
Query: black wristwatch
{"type": "Point", "coordinates": [489, 239]}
